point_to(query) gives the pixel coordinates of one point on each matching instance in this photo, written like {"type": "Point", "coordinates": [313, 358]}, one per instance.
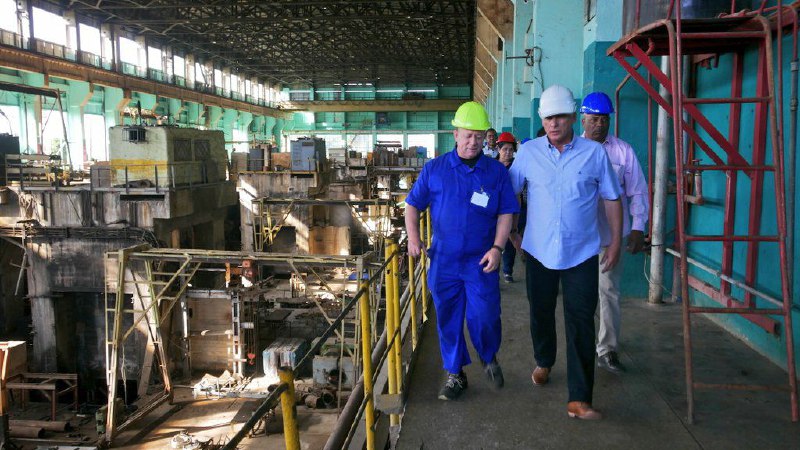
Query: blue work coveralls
{"type": "Point", "coordinates": [463, 231]}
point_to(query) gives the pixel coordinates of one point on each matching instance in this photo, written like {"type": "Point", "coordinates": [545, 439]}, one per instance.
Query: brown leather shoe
{"type": "Point", "coordinates": [582, 410]}
{"type": "Point", "coordinates": [540, 376]}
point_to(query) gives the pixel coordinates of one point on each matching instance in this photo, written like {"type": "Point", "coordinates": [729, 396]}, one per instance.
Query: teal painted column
{"type": "Point", "coordinates": [148, 101]}
{"type": "Point", "coordinates": [78, 95]}
{"type": "Point", "coordinates": [269, 127]}
{"type": "Point", "coordinates": [558, 28]}
{"type": "Point", "coordinates": [114, 100]}
{"type": "Point", "coordinates": [175, 108]}
{"type": "Point", "coordinates": [229, 122]}
{"type": "Point", "coordinates": [277, 130]}
{"type": "Point", "coordinates": [508, 89]}
{"type": "Point", "coordinates": [521, 72]}
{"type": "Point", "coordinates": [213, 117]}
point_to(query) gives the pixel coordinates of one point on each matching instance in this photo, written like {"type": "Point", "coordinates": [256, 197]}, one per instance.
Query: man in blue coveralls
{"type": "Point", "coordinates": [472, 205]}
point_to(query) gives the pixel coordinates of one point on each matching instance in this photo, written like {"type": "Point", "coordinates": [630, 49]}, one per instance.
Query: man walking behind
{"type": "Point", "coordinates": [595, 119]}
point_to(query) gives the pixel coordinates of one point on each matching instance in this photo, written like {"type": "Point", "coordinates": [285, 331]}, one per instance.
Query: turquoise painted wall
{"type": "Point", "coordinates": [706, 219]}
{"type": "Point", "coordinates": [582, 65]}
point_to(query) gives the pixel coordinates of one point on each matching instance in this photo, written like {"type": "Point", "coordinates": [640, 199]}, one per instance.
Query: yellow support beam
{"type": "Point", "coordinates": [366, 361]}
{"type": "Point", "coordinates": [391, 372]}
{"type": "Point", "coordinates": [291, 434]}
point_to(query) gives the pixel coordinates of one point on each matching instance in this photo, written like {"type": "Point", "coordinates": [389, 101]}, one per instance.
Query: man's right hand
{"type": "Point", "coordinates": [415, 247]}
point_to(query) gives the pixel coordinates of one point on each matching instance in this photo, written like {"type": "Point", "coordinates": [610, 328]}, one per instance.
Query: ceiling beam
{"type": "Point", "coordinates": [376, 105]}
{"type": "Point", "coordinates": [56, 67]}
{"type": "Point", "coordinates": [500, 16]}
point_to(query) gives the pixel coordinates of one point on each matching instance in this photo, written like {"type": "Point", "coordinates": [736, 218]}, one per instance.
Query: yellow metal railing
{"type": "Point", "coordinates": [397, 307]}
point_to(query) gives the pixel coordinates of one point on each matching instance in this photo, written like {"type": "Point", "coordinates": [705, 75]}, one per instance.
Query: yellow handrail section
{"type": "Point", "coordinates": [399, 309]}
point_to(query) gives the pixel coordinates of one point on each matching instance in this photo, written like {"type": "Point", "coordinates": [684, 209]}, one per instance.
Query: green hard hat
{"type": "Point", "coordinates": [471, 116]}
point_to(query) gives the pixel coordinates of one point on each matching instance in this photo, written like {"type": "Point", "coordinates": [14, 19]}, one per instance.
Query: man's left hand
{"type": "Point", "coordinates": [611, 256]}
{"type": "Point", "coordinates": [635, 241]}
{"type": "Point", "coordinates": [491, 260]}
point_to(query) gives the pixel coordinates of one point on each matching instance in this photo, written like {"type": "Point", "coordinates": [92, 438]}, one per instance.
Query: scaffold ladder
{"type": "Point", "coordinates": [701, 40]}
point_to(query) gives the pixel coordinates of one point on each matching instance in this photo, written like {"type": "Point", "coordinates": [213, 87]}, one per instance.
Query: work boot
{"type": "Point", "coordinates": [456, 384]}
{"type": "Point", "coordinates": [610, 362]}
{"type": "Point", "coordinates": [494, 374]}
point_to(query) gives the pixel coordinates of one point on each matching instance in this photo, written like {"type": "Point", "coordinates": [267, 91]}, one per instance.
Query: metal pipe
{"type": "Point", "coordinates": [661, 176]}
{"type": "Point", "coordinates": [791, 163]}
{"type": "Point", "coordinates": [730, 280]}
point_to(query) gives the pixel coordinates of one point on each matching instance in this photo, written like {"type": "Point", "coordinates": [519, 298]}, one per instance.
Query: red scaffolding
{"type": "Point", "coordinates": [702, 41]}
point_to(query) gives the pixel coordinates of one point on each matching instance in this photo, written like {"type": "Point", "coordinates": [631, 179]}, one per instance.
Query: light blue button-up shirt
{"type": "Point", "coordinates": [564, 189]}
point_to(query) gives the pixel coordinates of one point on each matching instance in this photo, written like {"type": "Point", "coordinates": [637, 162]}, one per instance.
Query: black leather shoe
{"type": "Point", "coordinates": [610, 362]}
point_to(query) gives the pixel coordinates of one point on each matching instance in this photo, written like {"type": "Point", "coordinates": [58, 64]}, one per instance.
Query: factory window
{"type": "Point", "coordinates": [202, 151]}
{"type": "Point", "coordinates": [240, 140]}
{"type": "Point", "coordinates": [182, 150]}
{"type": "Point", "coordinates": [53, 131]}
{"type": "Point", "coordinates": [90, 39]}
{"type": "Point", "coordinates": [154, 58]}
{"type": "Point", "coordinates": [333, 141]}
{"type": "Point", "coordinates": [9, 119]}
{"type": "Point", "coordinates": [219, 79]}
{"type": "Point", "coordinates": [94, 129]}
{"type": "Point", "coordinates": [128, 51]}
{"type": "Point", "coordinates": [179, 66]}
{"type": "Point", "coordinates": [235, 83]}
{"type": "Point", "coordinates": [49, 27]}
{"type": "Point", "coordinates": [424, 140]}
{"type": "Point", "coordinates": [361, 143]}
{"type": "Point", "coordinates": [200, 74]}
{"type": "Point", "coordinates": [391, 138]}
{"type": "Point", "coordinates": [8, 15]}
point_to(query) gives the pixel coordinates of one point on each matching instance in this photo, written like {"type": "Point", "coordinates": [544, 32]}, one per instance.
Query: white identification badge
{"type": "Point", "coordinates": [480, 199]}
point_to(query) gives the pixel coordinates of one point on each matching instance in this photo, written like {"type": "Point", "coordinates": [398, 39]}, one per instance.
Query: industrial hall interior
{"type": "Point", "coordinates": [397, 224]}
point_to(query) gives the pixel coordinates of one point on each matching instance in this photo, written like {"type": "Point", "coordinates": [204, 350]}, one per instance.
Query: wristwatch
{"type": "Point", "coordinates": [499, 249]}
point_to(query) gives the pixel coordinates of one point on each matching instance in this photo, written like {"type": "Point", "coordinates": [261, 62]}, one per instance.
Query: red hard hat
{"type": "Point", "coordinates": [506, 137]}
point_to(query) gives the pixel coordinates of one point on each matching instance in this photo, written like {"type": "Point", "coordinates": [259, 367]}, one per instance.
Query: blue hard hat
{"type": "Point", "coordinates": [597, 103]}
{"type": "Point", "coordinates": [524, 141]}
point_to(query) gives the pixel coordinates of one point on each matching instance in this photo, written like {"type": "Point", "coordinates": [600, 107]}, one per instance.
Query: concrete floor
{"type": "Point", "coordinates": [644, 408]}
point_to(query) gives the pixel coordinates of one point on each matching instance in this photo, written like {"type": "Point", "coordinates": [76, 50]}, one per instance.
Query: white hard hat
{"type": "Point", "coordinates": [556, 100]}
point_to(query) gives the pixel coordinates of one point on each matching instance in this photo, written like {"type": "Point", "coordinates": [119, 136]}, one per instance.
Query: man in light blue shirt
{"type": "Point", "coordinates": [566, 176]}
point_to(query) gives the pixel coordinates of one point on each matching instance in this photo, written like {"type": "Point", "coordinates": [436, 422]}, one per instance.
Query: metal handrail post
{"type": "Point", "coordinates": [398, 342]}
{"type": "Point", "coordinates": [390, 326]}
{"type": "Point", "coordinates": [412, 297]}
{"type": "Point", "coordinates": [291, 434]}
{"type": "Point", "coordinates": [424, 261]}
{"type": "Point", "coordinates": [366, 361]}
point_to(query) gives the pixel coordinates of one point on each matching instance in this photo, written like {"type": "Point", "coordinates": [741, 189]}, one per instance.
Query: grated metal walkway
{"type": "Point", "coordinates": [644, 408]}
